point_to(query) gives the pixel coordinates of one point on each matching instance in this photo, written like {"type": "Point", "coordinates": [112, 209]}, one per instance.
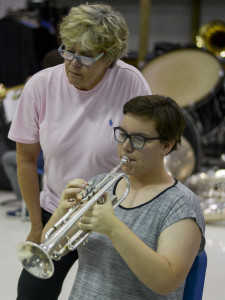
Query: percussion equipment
{"type": "Point", "coordinates": [181, 162]}
{"type": "Point", "coordinates": [212, 37]}
{"type": "Point", "coordinates": [2, 91]}
{"type": "Point", "coordinates": [194, 78]}
{"type": "Point", "coordinates": [10, 97]}
{"type": "Point", "coordinates": [37, 259]}
{"type": "Point", "coordinates": [210, 187]}
{"type": "Point", "coordinates": [186, 160]}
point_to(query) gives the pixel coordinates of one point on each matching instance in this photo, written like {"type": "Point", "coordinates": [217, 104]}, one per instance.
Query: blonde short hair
{"type": "Point", "coordinates": [95, 27]}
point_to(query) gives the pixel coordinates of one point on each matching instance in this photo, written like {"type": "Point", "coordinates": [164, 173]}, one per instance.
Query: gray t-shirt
{"type": "Point", "coordinates": [103, 274]}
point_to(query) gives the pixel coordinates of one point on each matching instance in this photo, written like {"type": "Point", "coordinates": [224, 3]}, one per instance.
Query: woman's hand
{"type": "Point", "coordinates": [70, 196]}
{"type": "Point", "coordinates": [100, 218]}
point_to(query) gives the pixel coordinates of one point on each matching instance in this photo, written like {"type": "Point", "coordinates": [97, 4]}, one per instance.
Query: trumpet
{"type": "Point", "coordinates": [37, 259]}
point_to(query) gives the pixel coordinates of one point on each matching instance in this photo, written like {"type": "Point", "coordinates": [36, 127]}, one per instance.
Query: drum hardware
{"type": "Point", "coordinates": [213, 143]}
{"type": "Point", "coordinates": [37, 259]}
{"type": "Point", "coordinates": [209, 185]}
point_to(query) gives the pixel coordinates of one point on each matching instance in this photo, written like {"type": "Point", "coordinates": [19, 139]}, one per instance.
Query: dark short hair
{"type": "Point", "coordinates": [163, 111]}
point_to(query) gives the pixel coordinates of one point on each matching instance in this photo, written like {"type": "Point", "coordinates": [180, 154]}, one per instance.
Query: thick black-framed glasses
{"type": "Point", "coordinates": [83, 60]}
{"type": "Point", "coordinates": [136, 141]}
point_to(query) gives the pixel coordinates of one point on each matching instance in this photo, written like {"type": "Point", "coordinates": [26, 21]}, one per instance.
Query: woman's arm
{"type": "Point", "coordinates": [161, 271]}
{"type": "Point", "coordinates": [27, 155]}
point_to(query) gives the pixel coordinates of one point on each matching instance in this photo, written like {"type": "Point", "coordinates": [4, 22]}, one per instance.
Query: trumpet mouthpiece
{"type": "Point", "coordinates": [125, 160]}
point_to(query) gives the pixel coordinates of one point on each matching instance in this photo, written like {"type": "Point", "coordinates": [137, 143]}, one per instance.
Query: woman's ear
{"type": "Point", "coordinates": [168, 146]}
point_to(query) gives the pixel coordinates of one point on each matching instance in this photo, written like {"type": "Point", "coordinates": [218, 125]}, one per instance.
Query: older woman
{"type": "Point", "coordinates": [69, 111]}
{"type": "Point", "coordinates": [144, 248]}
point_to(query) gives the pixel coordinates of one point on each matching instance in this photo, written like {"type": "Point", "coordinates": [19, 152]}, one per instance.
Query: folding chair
{"type": "Point", "coordinates": [195, 280]}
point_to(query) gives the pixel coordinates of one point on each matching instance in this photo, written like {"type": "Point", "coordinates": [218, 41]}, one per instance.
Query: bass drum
{"type": "Point", "coordinates": [194, 78]}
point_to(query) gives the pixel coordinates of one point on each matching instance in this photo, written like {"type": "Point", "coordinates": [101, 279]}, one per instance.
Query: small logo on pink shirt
{"type": "Point", "coordinates": [110, 122]}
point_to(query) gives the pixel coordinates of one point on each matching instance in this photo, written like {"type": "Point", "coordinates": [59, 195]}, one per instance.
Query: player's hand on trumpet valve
{"type": "Point", "coordinates": [100, 218]}
{"type": "Point", "coordinates": [71, 196]}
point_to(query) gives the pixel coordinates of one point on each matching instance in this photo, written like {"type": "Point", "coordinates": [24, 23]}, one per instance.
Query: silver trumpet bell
{"type": "Point", "coordinates": [37, 259]}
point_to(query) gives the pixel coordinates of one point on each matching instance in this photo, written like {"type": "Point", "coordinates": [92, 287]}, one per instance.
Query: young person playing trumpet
{"type": "Point", "coordinates": [144, 248]}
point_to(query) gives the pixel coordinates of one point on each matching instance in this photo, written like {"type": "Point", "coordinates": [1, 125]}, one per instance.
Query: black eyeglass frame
{"type": "Point", "coordinates": [145, 139]}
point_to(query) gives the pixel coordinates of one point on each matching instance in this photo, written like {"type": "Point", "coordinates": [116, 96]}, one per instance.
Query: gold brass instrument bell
{"type": "Point", "coordinates": [17, 90]}
{"type": "Point", "coordinates": [2, 91]}
{"type": "Point", "coordinates": [37, 259]}
{"type": "Point", "coordinates": [212, 37]}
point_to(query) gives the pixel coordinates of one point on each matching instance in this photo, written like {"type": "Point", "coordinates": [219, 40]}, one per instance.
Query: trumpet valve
{"type": "Point", "coordinates": [89, 195]}
{"type": "Point", "coordinates": [114, 200]}
{"type": "Point", "coordinates": [101, 200]}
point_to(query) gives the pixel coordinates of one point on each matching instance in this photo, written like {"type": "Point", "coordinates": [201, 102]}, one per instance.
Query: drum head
{"type": "Point", "coordinates": [181, 162]}
{"type": "Point", "coordinates": [188, 75]}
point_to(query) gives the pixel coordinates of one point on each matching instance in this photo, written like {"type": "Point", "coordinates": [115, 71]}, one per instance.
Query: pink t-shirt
{"type": "Point", "coordinates": [74, 127]}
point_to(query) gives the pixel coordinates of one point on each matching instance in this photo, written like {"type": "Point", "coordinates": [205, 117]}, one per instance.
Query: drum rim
{"type": "Point", "coordinates": [216, 88]}
{"type": "Point", "coordinates": [190, 47]}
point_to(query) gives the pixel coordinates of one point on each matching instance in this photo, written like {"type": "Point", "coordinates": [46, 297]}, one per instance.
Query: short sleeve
{"type": "Point", "coordinates": [25, 124]}
{"type": "Point", "coordinates": [184, 206]}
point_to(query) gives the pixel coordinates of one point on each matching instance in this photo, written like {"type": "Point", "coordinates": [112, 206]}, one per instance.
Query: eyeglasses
{"type": "Point", "coordinates": [136, 141]}
{"type": "Point", "coordinates": [83, 60]}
